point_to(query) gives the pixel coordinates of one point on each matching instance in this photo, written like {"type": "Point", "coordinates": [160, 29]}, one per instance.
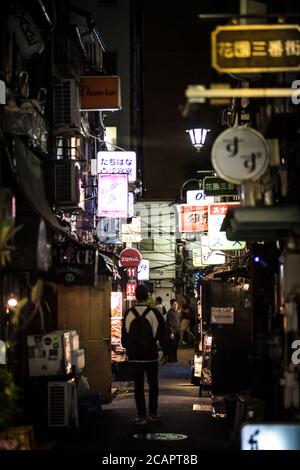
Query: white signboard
{"type": "Point", "coordinates": [222, 315]}
{"type": "Point", "coordinates": [198, 198]}
{"type": "Point", "coordinates": [130, 205]}
{"type": "Point", "coordinates": [240, 154]}
{"type": "Point", "coordinates": [218, 239]}
{"type": "Point", "coordinates": [131, 233]}
{"type": "Point", "coordinates": [2, 352]}
{"type": "Point", "coordinates": [113, 196]}
{"type": "Point", "coordinates": [209, 256]}
{"type": "Point", "coordinates": [197, 257]}
{"type": "Point", "coordinates": [117, 163]}
{"type": "Point", "coordinates": [2, 92]}
{"type": "Point", "coordinates": [270, 436]}
{"type": "Point", "coordinates": [143, 270]}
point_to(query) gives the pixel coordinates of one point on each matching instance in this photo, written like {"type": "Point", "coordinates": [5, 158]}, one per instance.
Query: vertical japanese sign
{"type": "Point", "coordinates": [130, 290]}
{"type": "Point", "coordinates": [240, 154]}
{"type": "Point", "coordinates": [256, 48]}
{"type": "Point", "coordinates": [217, 239]}
{"type": "Point", "coordinates": [192, 218]}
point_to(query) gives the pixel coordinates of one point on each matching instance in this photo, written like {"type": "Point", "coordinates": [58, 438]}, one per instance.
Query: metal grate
{"type": "Point", "coordinates": [63, 183]}
{"type": "Point", "coordinates": [56, 396]}
{"type": "Point", "coordinates": [62, 104]}
{"type": "Point", "coordinates": [66, 106]}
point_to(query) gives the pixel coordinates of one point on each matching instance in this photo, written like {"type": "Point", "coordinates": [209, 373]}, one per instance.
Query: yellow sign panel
{"type": "Point", "coordinates": [256, 48]}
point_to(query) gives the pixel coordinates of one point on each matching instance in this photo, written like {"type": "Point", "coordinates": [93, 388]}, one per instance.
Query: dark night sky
{"type": "Point", "coordinates": [176, 54]}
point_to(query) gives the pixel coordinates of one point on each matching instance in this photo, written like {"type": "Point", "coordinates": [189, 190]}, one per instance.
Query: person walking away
{"type": "Point", "coordinates": [187, 315]}
{"type": "Point", "coordinates": [160, 307]}
{"type": "Point", "coordinates": [173, 329]}
{"type": "Point", "coordinates": [142, 327]}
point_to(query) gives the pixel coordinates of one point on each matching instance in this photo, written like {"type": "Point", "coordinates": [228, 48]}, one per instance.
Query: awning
{"type": "Point", "coordinates": [261, 223]}
{"type": "Point", "coordinates": [106, 265]}
{"type": "Point", "coordinates": [31, 181]}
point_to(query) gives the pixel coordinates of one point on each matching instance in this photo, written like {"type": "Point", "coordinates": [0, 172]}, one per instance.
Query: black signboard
{"type": "Point", "coordinates": [256, 48]}
{"type": "Point", "coordinates": [213, 186]}
{"type": "Point", "coordinates": [74, 264]}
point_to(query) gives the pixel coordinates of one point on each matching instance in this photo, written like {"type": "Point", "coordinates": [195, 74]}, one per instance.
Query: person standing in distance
{"type": "Point", "coordinates": [173, 329]}
{"type": "Point", "coordinates": [160, 307]}
{"type": "Point", "coordinates": [142, 327]}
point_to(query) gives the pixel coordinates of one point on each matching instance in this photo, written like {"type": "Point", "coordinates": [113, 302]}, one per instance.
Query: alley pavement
{"type": "Point", "coordinates": [183, 412]}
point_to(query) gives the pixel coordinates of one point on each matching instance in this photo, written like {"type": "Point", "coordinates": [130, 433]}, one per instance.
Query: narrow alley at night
{"type": "Point", "coordinates": [149, 231]}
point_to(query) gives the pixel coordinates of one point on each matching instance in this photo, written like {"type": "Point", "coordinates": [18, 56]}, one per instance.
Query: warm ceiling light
{"type": "Point", "coordinates": [12, 301]}
{"type": "Point", "coordinates": [198, 137]}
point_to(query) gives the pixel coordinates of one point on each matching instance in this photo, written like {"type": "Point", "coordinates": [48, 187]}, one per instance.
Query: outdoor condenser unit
{"type": "Point", "coordinates": [66, 106]}
{"type": "Point", "coordinates": [65, 183]}
{"type": "Point", "coordinates": [62, 404]}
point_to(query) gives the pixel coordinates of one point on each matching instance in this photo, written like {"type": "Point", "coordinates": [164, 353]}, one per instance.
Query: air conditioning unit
{"type": "Point", "coordinates": [65, 182]}
{"type": "Point", "coordinates": [62, 404]}
{"type": "Point", "coordinates": [66, 106]}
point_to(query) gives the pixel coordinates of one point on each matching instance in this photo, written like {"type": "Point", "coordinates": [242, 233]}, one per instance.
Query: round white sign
{"type": "Point", "coordinates": [240, 154]}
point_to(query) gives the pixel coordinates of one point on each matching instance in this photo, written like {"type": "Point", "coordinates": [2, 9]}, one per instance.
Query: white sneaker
{"type": "Point", "coordinates": [140, 420]}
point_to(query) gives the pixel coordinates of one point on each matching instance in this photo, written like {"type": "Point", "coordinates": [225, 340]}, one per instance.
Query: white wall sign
{"type": "Point", "coordinates": [270, 436]}
{"type": "Point", "coordinates": [197, 257]}
{"type": "Point", "coordinates": [2, 92]}
{"type": "Point", "coordinates": [240, 154]}
{"type": "Point", "coordinates": [2, 352]}
{"type": "Point", "coordinates": [117, 163]}
{"type": "Point", "coordinates": [209, 256]}
{"type": "Point", "coordinates": [198, 198]}
{"type": "Point", "coordinates": [143, 270]}
{"type": "Point", "coordinates": [131, 233]}
{"type": "Point", "coordinates": [130, 205]}
{"type": "Point", "coordinates": [113, 196]}
{"type": "Point", "coordinates": [222, 315]}
{"type": "Point", "coordinates": [217, 239]}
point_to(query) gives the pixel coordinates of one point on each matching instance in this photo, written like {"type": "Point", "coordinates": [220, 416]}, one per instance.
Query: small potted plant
{"type": "Point", "coordinates": [9, 405]}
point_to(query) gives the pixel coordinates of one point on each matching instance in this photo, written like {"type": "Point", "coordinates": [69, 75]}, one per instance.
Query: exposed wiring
{"type": "Point", "coordinates": [104, 141]}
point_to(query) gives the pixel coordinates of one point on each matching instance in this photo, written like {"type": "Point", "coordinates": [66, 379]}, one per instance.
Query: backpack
{"type": "Point", "coordinates": [141, 344]}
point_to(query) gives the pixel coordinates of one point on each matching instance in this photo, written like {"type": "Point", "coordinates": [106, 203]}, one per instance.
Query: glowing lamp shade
{"type": "Point", "coordinates": [198, 137]}
{"type": "Point", "coordinates": [12, 301]}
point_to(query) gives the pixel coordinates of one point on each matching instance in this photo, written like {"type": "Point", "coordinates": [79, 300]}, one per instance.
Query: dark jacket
{"type": "Point", "coordinates": [173, 321]}
{"type": "Point", "coordinates": [158, 327]}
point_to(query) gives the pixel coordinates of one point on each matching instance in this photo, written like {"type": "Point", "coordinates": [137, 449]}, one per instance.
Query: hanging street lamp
{"type": "Point", "coordinates": [198, 137]}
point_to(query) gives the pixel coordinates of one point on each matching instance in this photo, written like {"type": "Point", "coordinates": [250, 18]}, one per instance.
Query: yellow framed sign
{"type": "Point", "coordinates": [256, 48]}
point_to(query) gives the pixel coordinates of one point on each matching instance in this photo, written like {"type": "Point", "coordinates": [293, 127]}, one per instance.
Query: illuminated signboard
{"type": "Point", "coordinates": [100, 92]}
{"type": "Point", "coordinates": [113, 196]}
{"type": "Point", "coordinates": [209, 256]}
{"type": "Point", "coordinates": [270, 436]}
{"type": "Point", "coordinates": [217, 239]}
{"type": "Point", "coordinates": [256, 48]}
{"type": "Point", "coordinates": [131, 233]}
{"type": "Point", "coordinates": [192, 218]}
{"type": "Point", "coordinates": [198, 198]}
{"type": "Point", "coordinates": [117, 163]}
{"type": "Point", "coordinates": [143, 270]}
